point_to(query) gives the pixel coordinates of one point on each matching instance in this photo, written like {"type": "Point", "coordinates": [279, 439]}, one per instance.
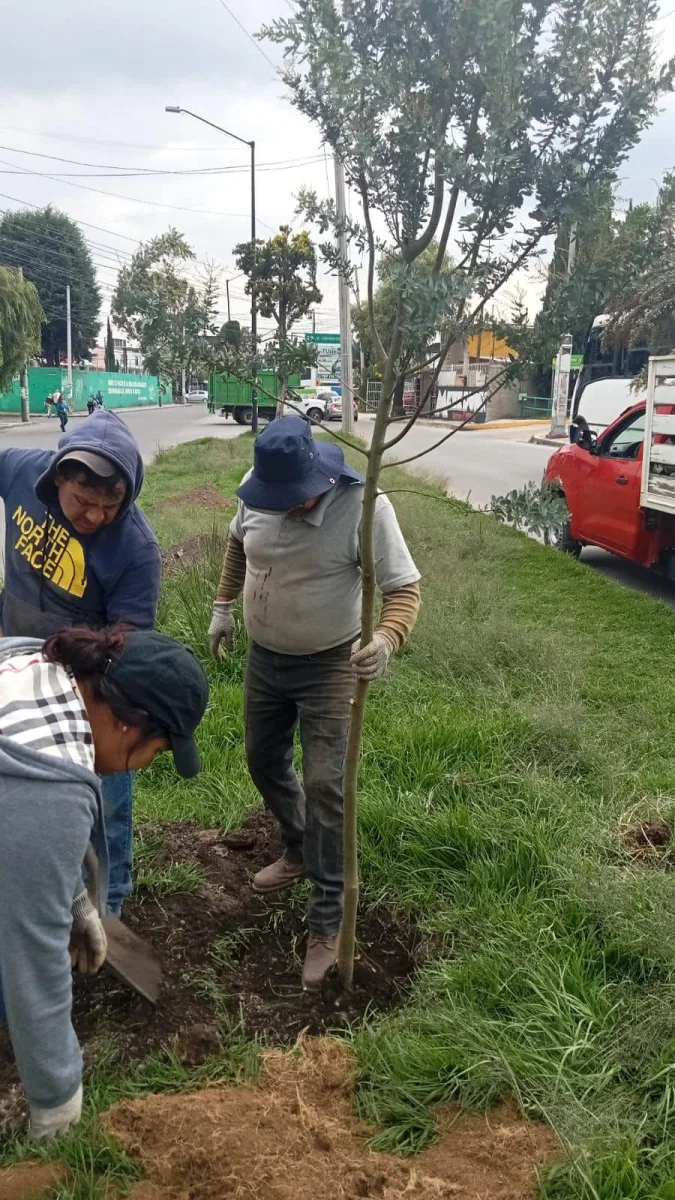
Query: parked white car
{"type": "Point", "coordinates": [323, 405]}
{"type": "Point", "coordinates": [196, 396]}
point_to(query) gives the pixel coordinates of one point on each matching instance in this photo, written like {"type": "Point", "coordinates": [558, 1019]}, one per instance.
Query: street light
{"type": "Point", "coordinates": [175, 108]}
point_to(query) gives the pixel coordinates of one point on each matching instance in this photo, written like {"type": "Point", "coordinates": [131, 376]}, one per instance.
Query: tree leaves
{"type": "Point", "coordinates": [21, 319]}
{"type": "Point", "coordinates": [52, 253]}
{"type": "Point", "coordinates": [172, 318]}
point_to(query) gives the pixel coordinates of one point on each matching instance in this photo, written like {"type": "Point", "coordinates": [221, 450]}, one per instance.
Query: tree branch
{"type": "Point", "coordinates": [399, 462]}
{"type": "Point", "coordinates": [412, 250]}
{"type": "Point", "coordinates": [375, 333]}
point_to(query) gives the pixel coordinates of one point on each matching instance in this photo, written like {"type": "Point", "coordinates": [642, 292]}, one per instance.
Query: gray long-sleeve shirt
{"type": "Point", "coordinates": [49, 810]}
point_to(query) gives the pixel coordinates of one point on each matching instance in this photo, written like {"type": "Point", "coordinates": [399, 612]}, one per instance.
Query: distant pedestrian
{"type": "Point", "coordinates": [99, 399]}
{"type": "Point", "coordinates": [62, 412]}
{"type": "Point", "coordinates": [91, 405]}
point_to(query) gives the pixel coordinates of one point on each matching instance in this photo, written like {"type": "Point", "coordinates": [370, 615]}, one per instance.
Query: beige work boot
{"type": "Point", "coordinates": [320, 959]}
{"type": "Point", "coordinates": [279, 876]}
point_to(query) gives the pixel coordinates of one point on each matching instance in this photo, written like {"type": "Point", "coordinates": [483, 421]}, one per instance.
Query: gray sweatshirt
{"type": "Point", "coordinates": [49, 810]}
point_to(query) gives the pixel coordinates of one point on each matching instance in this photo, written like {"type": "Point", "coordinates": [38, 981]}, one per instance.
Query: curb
{"type": "Point", "coordinates": [43, 416]}
{"type": "Point", "coordinates": [557, 443]}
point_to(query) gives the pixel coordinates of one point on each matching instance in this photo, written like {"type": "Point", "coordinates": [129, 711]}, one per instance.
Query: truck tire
{"type": "Point", "coordinates": [561, 539]}
{"type": "Point", "coordinates": [243, 415]}
{"type": "Point", "coordinates": [315, 414]}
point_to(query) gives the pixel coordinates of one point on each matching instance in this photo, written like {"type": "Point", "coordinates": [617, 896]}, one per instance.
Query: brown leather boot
{"type": "Point", "coordinates": [279, 876]}
{"type": "Point", "coordinates": [320, 959]}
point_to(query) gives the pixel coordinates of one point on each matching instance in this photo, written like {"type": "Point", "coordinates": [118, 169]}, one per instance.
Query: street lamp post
{"type": "Point", "coordinates": [175, 108]}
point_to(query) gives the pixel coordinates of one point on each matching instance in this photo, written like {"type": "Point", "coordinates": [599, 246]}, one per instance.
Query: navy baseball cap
{"type": "Point", "coordinates": [290, 468]}
{"type": "Point", "coordinates": [165, 679]}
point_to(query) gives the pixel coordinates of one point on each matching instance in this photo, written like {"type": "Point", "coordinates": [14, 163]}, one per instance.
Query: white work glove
{"type": "Point", "coordinates": [221, 628]}
{"type": "Point", "coordinates": [88, 943]}
{"type": "Point", "coordinates": [53, 1122]}
{"type": "Point", "coordinates": [370, 663]}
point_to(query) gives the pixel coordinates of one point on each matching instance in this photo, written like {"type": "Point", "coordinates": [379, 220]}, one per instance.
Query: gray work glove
{"type": "Point", "coordinates": [88, 943]}
{"type": "Point", "coordinates": [53, 1122]}
{"type": "Point", "coordinates": [370, 663]}
{"type": "Point", "coordinates": [221, 628]}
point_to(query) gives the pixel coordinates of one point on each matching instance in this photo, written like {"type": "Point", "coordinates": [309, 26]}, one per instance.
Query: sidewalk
{"type": "Point", "coordinates": [12, 420]}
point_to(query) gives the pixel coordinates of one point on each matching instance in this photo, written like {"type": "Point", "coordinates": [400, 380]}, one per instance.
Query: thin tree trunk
{"type": "Point", "coordinates": [353, 754]}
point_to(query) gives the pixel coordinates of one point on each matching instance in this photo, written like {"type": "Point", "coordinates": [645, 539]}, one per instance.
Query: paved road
{"type": "Point", "coordinates": [473, 466]}
{"type": "Point", "coordinates": [152, 428]}
{"type": "Point", "coordinates": [479, 464]}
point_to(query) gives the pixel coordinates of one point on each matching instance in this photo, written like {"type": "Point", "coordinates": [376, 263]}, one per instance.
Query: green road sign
{"type": "Point", "coordinates": [576, 362]}
{"type": "Point", "coordinates": [316, 338]}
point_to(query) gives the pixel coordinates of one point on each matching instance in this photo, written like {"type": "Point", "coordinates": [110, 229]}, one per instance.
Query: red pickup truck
{"type": "Point", "coordinates": [601, 482]}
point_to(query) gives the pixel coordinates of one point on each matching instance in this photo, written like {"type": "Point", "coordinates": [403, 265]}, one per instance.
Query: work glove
{"type": "Point", "coordinates": [53, 1122]}
{"type": "Point", "coordinates": [221, 628]}
{"type": "Point", "coordinates": [88, 943]}
{"type": "Point", "coordinates": [370, 663]}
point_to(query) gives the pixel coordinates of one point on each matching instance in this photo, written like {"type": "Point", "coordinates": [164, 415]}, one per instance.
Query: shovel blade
{"type": "Point", "coordinates": [132, 959]}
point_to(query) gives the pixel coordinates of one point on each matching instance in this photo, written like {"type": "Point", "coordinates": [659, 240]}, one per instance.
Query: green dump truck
{"type": "Point", "coordinates": [232, 397]}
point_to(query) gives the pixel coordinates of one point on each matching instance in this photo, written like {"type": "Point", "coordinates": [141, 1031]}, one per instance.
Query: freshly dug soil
{"type": "Point", "coordinates": [294, 1136]}
{"type": "Point", "coordinates": [205, 496]}
{"type": "Point", "coordinates": [226, 946]}
{"type": "Point", "coordinates": [190, 553]}
{"type": "Point", "coordinates": [650, 842]}
{"type": "Point", "coordinates": [28, 1180]}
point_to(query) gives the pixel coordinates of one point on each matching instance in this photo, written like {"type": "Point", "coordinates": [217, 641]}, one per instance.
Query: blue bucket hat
{"type": "Point", "coordinates": [290, 468]}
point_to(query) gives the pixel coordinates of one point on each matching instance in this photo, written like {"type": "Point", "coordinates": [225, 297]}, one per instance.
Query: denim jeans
{"type": "Point", "coordinates": [312, 692]}
{"type": "Point", "coordinates": [117, 792]}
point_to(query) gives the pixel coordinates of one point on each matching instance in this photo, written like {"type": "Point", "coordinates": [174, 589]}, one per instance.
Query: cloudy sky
{"type": "Point", "coordinates": [88, 82]}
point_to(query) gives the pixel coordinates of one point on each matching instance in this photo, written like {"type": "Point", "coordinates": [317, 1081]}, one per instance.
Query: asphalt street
{"type": "Point", "coordinates": [473, 466]}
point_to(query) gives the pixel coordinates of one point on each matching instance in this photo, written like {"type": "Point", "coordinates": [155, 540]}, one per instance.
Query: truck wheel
{"type": "Point", "coordinates": [560, 538]}
{"type": "Point", "coordinates": [315, 414]}
{"type": "Point", "coordinates": [243, 416]}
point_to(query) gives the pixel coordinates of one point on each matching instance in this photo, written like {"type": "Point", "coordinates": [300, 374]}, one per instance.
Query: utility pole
{"type": "Point", "coordinates": [23, 380]}
{"type": "Point", "coordinates": [69, 344]}
{"type": "Point", "coordinates": [227, 289]}
{"type": "Point", "coordinates": [346, 373]}
{"type": "Point", "coordinates": [182, 371]}
{"type": "Point", "coordinates": [563, 362]}
{"type": "Point", "coordinates": [254, 303]}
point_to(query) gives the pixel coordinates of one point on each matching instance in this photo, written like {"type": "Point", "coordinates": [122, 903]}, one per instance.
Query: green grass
{"type": "Point", "coordinates": [534, 708]}
{"type": "Point", "coordinates": [531, 715]}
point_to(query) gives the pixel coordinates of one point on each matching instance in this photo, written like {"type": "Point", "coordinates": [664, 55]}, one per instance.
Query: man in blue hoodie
{"type": "Point", "coordinates": [79, 552]}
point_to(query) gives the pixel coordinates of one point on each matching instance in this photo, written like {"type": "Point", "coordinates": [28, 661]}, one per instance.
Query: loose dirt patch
{"type": "Point", "coordinates": [650, 842]}
{"type": "Point", "coordinates": [29, 1180]}
{"type": "Point", "coordinates": [191, 553]}
{"type": "Point", "coordinates": [226, 950]}
{"type": "Point", "coordinates": [205, 496]}
{"type": "Point", "coordinates": [294, 1136]}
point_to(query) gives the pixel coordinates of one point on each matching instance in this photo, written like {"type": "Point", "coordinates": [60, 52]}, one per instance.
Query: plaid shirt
{"type": "Point", "coordinates": [42, 709]}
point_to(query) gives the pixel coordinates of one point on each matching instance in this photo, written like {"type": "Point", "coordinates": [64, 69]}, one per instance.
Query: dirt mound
{"type": "Point", "coordinates": [294, 1136]}
{"type": "Point", "coordinates": [648, 841]}
{"type": "Point", "coordinates": [192, 552]}
{"type": "Point", "coordinates": [28, 1180]}
{"type": "Point", "coordinates": [224, 948]}
{"type": "Point", "coordinates": [204, 496]}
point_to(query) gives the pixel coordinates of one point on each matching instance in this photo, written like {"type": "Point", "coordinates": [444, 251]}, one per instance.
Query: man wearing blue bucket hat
{"type": "Point", "coordinates": [294, 550]}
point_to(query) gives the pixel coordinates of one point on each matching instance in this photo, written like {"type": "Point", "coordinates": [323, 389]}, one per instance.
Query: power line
{"type": "Point", "coordinates": [133, 199]}
{"type": "Point", "coordinates": [250, 37]}
{"type": "Point", "coordinates": [132, 172]}
{"type": "Point", "coordinates": [127, 145]}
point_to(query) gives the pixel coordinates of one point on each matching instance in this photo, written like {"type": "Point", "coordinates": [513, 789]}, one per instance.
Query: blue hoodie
{"type": "Point", "coordinates": [55, 576]}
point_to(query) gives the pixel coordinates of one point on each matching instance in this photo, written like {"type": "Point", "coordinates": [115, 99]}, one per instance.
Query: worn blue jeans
{"type": "Point", "coordinates": [117, 792]}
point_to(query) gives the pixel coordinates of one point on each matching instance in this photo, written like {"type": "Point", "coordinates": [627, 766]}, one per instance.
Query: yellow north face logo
{"type": "Point", "coordinates": [52, 551]}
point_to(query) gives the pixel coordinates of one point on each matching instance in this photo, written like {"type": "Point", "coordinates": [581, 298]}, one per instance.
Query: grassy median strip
{"type": "Point", "coordinates": [517, 745]}
{"type": "Point", "coordinates": [514, 763]}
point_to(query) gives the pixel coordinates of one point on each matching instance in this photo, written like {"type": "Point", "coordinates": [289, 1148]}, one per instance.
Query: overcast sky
{"type": "Point", "coordinates": [89, 82]}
